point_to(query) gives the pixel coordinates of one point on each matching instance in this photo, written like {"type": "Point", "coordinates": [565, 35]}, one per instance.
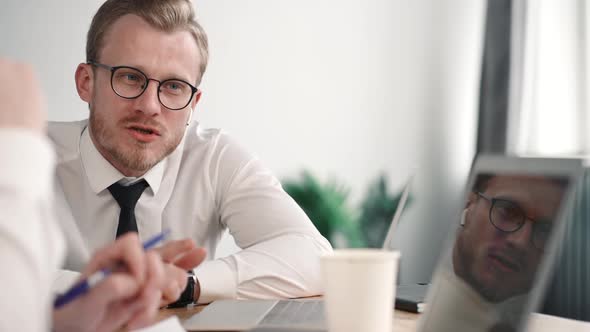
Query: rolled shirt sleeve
{"type": "Point", "coordinates": [281, 247]}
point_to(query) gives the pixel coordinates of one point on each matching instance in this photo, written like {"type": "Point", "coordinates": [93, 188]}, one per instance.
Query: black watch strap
{"type": "Point", "coordinates": [188, 295]}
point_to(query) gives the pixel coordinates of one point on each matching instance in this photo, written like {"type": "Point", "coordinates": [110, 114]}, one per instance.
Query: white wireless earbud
{"type": "Point", "coordinates": [462, 222]}
{"type": "Point", "coordinates": [190, 116]}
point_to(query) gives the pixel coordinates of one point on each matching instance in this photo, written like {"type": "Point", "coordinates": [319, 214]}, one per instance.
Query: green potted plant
{"type": "Point", "coordinates": [377, 210]}
{"type": "Point", "coordinates": [326, 205]}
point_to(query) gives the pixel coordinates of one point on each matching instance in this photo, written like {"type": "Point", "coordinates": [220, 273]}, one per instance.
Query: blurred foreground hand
{"type": "Point", "coordinates": [23, 104]}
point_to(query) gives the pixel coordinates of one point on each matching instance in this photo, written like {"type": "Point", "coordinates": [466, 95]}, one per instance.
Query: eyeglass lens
{"type": "Point", "coordinates": [509, 217]}
{"type": "Point", "coordinates": [130, 83]}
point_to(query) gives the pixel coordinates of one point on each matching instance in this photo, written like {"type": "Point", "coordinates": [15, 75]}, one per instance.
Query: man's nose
{"type": "Point", "coordinates": [149, 102]}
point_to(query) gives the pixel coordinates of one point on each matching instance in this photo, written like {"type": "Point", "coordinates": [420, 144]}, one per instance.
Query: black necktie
{"type": "Point", "coordinates": [127, 197]}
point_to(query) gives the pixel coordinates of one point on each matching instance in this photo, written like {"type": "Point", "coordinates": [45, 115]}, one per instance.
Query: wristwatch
{"type": "Point", "coordinates": [188, 295]}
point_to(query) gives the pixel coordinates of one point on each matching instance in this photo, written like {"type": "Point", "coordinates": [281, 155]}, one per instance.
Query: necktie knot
{"type": "Point", "coordinates": [127, 197]}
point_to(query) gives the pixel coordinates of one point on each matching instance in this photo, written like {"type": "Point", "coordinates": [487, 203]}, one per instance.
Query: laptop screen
{"type": "Point", "coordinates": [505, 237]}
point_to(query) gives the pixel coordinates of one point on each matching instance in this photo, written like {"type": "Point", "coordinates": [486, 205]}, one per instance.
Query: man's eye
{"type": "Point", "coordinates": [174, 86]}
{"type": "Point", "coordinates": [507, 211]}
{"type": "Point", "coordinates": [131, 77]}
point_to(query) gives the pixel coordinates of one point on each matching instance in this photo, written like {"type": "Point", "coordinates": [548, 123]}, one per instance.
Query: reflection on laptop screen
{"type": "Point", "coordinates": [501, 244]}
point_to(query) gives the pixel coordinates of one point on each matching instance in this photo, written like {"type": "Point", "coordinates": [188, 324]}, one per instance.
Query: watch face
{"type": "Point", "coordinates": [189, 292]}
{"type": "Point", "coordinates": [188, 295]}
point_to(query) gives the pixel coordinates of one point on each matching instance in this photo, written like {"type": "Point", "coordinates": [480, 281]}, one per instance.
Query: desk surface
{"type": "Point", "coordinates": [407, 322]}
{"type": "Point", "coordinates": [403, 321]}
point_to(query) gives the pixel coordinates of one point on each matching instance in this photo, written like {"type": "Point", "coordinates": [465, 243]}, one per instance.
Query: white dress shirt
{"type": "Point", "coordinates": [207, 185]}
{"type": "Point", "coordinates": [31, 247]}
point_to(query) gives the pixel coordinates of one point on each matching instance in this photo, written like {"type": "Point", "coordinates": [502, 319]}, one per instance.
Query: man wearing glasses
{"type": "Point", "coordinates": [505, 226]}
{"type": "Point", "coordinates": [144, 63]}
{"type": "Point", "coordinates": [499, 244]}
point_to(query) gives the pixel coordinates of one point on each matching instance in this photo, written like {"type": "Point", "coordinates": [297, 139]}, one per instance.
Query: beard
{"type": "Point", "coordinates": [127, 154]}
{"type": "Point", "coordinates": [494, 289]}
{"type": "Point", "coordinates": [466, 268]}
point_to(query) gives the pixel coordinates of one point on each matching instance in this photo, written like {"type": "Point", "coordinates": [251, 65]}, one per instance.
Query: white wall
{"type": "Point", "coordinates": [345, 88]}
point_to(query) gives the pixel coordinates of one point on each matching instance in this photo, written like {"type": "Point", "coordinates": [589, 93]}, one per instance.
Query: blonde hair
{"type": "Point", "coordinates": [166, 15]}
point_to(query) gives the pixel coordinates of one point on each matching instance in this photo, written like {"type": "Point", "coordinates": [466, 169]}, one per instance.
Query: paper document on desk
{"type": "Point", "coordinates": [171, 324]}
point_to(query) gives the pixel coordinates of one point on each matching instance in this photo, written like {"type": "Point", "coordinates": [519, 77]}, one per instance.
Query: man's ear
{"type": "Point", "coordinates": [84, 81]}
{"type": "Point", "coordinates": [471, 198]}
{"type": "Point", "coordinates": [196, 99]}
{"type": "Point", "coordinates": [192, 107]}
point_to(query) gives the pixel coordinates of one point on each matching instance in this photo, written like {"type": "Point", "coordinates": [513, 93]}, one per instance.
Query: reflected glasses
{"type": "Point", "coordinates": [508, 217]}
{"type": "Point", "coordinates": [130, 83]}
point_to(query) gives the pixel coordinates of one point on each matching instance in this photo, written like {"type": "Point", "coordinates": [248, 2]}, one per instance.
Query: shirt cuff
{"type": "Point", "coordinates": [217, 281]}
{"type": "Point", "coordinates": [27, 161]}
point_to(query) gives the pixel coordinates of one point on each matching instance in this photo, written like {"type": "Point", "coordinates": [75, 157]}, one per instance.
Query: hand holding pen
{"type": "Point", "coordinates": [83, 286]}
{"type": "Point", "coordinates": [128, 298]}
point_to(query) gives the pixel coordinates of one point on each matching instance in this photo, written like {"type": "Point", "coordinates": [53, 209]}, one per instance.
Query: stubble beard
{"type": "Point", "coordinates": [467, 270]}
{"type": "Point", "coordinates": [141, 156]}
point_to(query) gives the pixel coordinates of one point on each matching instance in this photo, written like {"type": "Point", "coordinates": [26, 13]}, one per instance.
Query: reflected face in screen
{"type": "Point", "coordinates": [508, 220]}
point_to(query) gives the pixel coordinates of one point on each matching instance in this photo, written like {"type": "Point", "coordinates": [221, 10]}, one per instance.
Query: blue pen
{"type": "Point", "coordinates": [83, 286]}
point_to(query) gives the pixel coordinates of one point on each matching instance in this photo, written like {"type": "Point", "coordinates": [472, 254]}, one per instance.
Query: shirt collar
{"type": "Point", "coordinates": [101, 174]}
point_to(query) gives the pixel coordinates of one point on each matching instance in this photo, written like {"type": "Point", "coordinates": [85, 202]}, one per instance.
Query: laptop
{"type": "Point", "coordinates": [495, 265]}
{"type": "Point", "coordinates": [295, 314]}
{"type": "Point", "coordinates": [408, 297]}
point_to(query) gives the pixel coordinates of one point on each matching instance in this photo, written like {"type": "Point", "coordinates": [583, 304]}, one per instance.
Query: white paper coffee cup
{"type": "Point", "coordinates": [359, 289]}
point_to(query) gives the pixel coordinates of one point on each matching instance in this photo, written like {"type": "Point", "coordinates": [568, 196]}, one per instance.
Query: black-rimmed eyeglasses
{"type": "Point", "coordinates": [508, 217]}
{"type": "Point", "coordinates": [130, 83]}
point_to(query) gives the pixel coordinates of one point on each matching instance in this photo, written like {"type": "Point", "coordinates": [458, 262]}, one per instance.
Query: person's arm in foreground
{"type": "Point", "coordinates": [30, 244]}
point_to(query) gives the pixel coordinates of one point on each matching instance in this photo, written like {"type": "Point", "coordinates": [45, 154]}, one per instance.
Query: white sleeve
{"type": "Point", "coordinates": [30, 243]}
{"type": "Point", "coordinates": [281, 246]}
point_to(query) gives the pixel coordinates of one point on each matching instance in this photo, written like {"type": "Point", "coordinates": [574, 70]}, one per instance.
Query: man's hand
{"type": "Point", "coordinates": [127, 298]}
{"type": "Point", "coordinates": [179, 256]}
{"type": "Point", "coordinates": [23, 104]}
